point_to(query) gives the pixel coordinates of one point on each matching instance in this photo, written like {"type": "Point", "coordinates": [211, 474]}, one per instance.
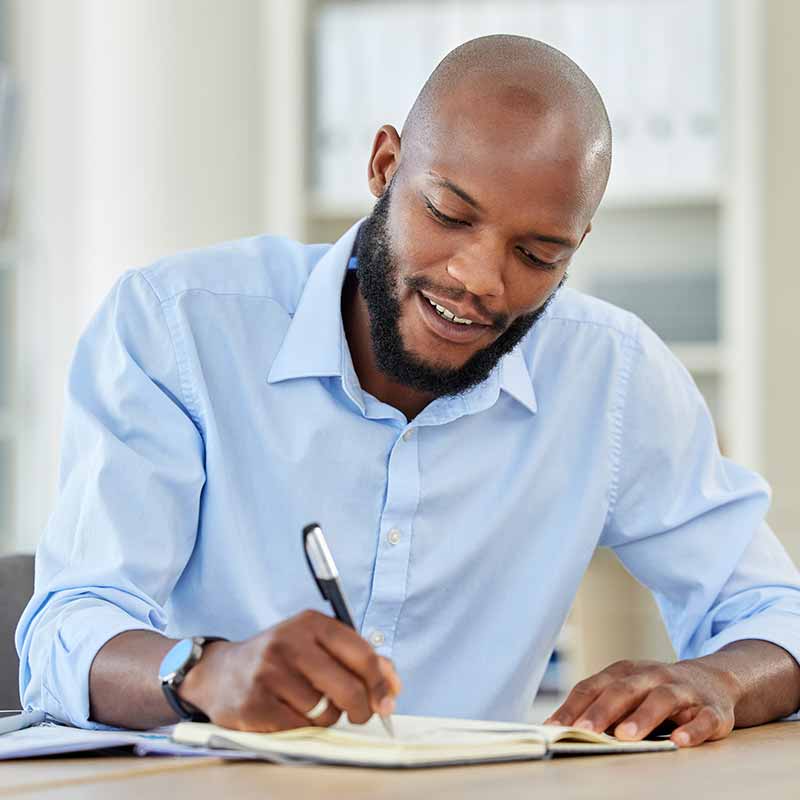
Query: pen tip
{"type": "Point", "coordinates": [388, 726]}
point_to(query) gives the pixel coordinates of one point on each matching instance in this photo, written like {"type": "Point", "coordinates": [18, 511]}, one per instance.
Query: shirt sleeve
{"type": "Point", "coordinates": [125, 522]}
{"type": "Point", "coordinates": [689, 523]}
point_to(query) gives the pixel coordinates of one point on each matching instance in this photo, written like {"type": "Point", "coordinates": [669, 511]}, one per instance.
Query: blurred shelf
{"type": "Point", "coordinates": [675, 199]}
{"type": "Point", "coordinates": [701, 358]}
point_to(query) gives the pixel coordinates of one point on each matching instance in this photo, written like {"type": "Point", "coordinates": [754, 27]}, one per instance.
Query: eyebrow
{"type": "Point", "coordinates": [446, 183]}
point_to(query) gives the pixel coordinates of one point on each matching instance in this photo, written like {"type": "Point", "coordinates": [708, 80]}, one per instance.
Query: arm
{"type": "Point", "coordinates": [689, 524]}
{"type": "Point", "coordinates": [767, 680]}
{"type": "Point", "coordinates": [125, 521]}
{"type": "Point", "coordinates": [92, 637]}
{"type": "Point", "coordinates": [265, 683]}
{"type": "Point", "coordinates": [123, 686]}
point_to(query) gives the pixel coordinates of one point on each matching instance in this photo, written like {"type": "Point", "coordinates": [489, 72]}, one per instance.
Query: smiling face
{"type": "Point", "coordinates": [377, 275]}
{"type": "Point", "coordinates": [482, 218]}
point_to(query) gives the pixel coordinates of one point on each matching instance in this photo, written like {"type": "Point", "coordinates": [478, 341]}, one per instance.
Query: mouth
{"type": "Point", "coordinates": [446, 325]}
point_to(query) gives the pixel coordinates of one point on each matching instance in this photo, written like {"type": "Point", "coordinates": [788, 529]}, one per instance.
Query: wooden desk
{"type": "Point", "coordinates": [749, 764]}
{"type": "Point", "coordinates": [22, 778]}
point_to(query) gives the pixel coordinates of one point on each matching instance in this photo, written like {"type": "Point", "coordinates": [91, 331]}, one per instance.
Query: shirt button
{"type": "Point", "coordinates": [407, 434]}
{"type": "Point", "coordinates": [393, 536]}
{"type": "Point", "coordinates": [377, 638]}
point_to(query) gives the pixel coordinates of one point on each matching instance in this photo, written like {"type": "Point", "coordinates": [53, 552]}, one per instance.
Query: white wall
{"type": "Point", "coordinates": [142, 135]}
{"type": "Point", "coordinates": [781, 285]}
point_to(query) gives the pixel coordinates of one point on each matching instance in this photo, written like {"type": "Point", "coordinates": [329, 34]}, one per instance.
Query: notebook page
{"type": "Point", "coordinates": [419, 741]}
{"type": "Point", "coordinates": [410, 727]}
{"type": "Point", "coordinates": [562, 740]}
{"type": "Point", "coordinates": [43, 740]}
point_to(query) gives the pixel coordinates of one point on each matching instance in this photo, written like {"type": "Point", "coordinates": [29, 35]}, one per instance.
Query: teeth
{"type": "Point", "coordinates": [449, 315]}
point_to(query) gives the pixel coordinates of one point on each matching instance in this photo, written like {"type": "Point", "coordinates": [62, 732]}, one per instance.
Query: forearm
{"type": "Point", "coordinates": [768, 680]}
{"type": "Point", "coordinates": [124, 690]}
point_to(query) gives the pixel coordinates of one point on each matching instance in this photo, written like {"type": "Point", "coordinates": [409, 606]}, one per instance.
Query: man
{"type": "Point", "coordinates": [465, 433]}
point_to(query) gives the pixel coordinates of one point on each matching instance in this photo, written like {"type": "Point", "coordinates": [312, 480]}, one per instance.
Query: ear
{"type": "Point", "coordinates": [384, 159]}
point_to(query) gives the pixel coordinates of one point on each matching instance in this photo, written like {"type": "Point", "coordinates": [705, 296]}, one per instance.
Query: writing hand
{"type": "Point", "coordinates": [270, 681]}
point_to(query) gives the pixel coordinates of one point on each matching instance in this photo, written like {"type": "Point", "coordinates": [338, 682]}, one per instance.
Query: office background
{"type": "Point", "coordinates": [130, 129]}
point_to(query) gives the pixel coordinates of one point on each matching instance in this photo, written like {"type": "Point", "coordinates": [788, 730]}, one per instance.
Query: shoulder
{"type": "Point", "coordinates": [572, 310]}
{"type": "Point", "coordinates": [579, 331]}
{"type": "Point", "coordinates": [269, 267]}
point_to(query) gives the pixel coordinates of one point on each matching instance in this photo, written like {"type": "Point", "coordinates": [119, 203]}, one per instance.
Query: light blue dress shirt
{"type": "Point", "coordinates": [213, 410]}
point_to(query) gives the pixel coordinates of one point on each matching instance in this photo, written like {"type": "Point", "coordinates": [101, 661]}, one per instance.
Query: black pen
{"type": "Point", "coordinates": [323, 568]}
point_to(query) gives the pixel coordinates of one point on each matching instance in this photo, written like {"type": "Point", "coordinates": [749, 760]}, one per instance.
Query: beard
{"type": "Point", "coordinates": [377, 276]}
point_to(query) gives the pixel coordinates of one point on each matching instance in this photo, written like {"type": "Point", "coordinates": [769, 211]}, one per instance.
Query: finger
{"type": "Point", "coordinates": [329, 717]}
{"type": "Point", "coordinates": [292, 687]}
{"type": "Point", "coordinates": [582, 695]}
{"type": "Point", "coordinates": [661, 703]}
{"type": "Point", "coordinates": [273, 715]}
{"type": "Point", "coordinates": [329, 677]}
{"type": "Point", "coordinates": [683, 717]}
{"type": "Point", "coordinates": [707, 724]}
{"type": "Point", "coordinates": [618, 699]}
{"type": "Point", "coordinates": [355, 653]}
{"type": "Point", "coordinates": [298, 693]}
{"type": "Point", "coordinates": [390, 673]}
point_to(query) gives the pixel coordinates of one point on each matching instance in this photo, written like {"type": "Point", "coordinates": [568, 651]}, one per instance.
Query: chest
{"type": "Point", "coordinates": [408, 513]}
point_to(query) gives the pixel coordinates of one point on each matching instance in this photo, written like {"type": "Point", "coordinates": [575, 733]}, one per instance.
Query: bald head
{"type": "Point", "coordinates": [527, 94]}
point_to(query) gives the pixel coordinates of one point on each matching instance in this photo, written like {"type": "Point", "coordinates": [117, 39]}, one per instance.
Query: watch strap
{"type": "Point", "coordinates": [185, 710]}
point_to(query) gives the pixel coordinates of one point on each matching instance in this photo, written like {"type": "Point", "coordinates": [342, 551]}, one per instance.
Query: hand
{"type": "Point", "coordinates": [270, 681]}
{"type": "Point", "coordinates": [633, 697]}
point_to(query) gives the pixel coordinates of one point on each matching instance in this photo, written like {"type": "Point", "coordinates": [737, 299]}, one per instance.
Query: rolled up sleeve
{"type": "Point", "coordinates": [689, 523]}
{"type": "Point", "coordinates": [126, 517]}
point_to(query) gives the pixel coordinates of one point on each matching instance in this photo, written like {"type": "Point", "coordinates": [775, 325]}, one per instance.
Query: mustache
{"type": "Point", "coordinates": [420, 282]}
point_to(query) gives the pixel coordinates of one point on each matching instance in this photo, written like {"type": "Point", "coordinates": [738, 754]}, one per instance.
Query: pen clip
{"type": "Point", "coordinates": [319, 559]}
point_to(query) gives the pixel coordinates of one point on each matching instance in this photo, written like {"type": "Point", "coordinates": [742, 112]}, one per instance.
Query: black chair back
{"type": "Point", "coordinates": [16, 588]}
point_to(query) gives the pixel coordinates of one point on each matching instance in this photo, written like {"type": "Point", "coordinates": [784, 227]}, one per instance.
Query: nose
{"type": "Point", "coordinates": [478, 269]}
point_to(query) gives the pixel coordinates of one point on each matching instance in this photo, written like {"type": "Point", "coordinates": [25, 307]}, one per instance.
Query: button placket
{"type": "Point", "coordinates": [394, 548]}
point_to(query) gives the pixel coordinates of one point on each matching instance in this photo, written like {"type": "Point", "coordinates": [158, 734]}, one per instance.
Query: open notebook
{"type": "Point", "coordinates": [419, 742]}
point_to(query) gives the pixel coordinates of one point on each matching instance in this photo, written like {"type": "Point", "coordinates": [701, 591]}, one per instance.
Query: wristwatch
{"type": "Point", "coordinates": [173, 670]}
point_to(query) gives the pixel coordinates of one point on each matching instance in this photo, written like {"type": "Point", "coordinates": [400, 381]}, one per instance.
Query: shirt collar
{"type": "Point", "coordinates": [315, 342]}
{"type": "Point", "coordinates": [517, 380]}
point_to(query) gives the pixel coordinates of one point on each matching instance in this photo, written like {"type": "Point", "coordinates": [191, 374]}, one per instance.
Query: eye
{"type": "Point", "coordinates": [548, 265]}
{"type": "Point", "coordinates": [443, 218]}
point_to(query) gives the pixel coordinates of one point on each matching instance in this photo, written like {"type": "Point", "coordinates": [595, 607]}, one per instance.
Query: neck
{"type": "Point", "coordinates": [356, 327]}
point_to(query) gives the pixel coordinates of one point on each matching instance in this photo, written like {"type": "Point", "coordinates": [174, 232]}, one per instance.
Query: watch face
{"type": "Point", "coordinates": [176, 658]}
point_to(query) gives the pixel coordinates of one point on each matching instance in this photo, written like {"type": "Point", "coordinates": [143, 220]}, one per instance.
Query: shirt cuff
{"type": "Point", "coordinates": [782, 629]}
{"type": "Point", "coordinates": [65, 680]}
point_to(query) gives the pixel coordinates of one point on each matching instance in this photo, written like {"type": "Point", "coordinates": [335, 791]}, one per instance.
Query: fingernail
{"type": "Point", "coordinates": [386, 706]}
{"type": "Point", "coordinates": [585, 724]}
{"type": "Point", "coordinates": [682, 739]}
{"type": "Point", "coordinates": [553, 721]}
{"type": "Point", "coordinates": [627, 730]}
